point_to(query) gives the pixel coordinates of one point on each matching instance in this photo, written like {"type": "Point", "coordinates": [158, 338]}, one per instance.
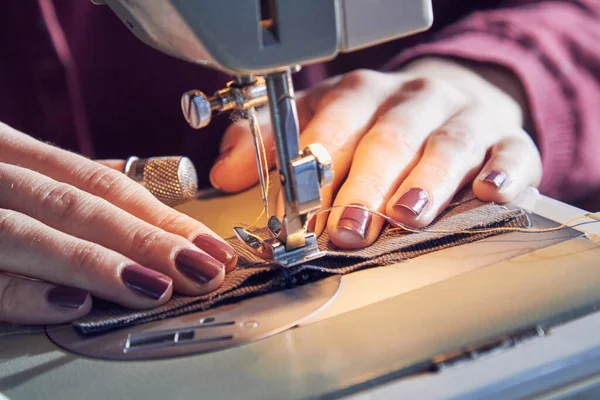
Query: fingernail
{"type": "Point", "coordinates": [217, 249]}
{"type": "Point", "coordinates": [495, 177]}
{"type": "Point", "coordinates": [355, 220]}
{"type": "Point", "coordinates": [414, 200]}
{"type": "Point", "coordinates": [67, 297]}
{"type": "Point", "coordinates": [197, 266]}
{"type": "Point", "coordinates": [146, 281]}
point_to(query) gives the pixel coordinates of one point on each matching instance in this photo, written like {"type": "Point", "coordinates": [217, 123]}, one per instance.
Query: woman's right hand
{"type": "Point", "coordinates": [71, 227]}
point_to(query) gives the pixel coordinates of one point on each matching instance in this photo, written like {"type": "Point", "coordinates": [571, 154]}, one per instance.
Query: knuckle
{"type": "Point", "coordinates": [448, 95]}
{"type": "Point", "coordinates": [456, 141]}
{"type": "Point", "coordinates": [173, 221]}
{"type": "Point", "coordinates": [388, 137]}
{"type": "Point", "coordinates": [9, 227]}
{"type": "Point", "coordinates": [359, 78]}
{"type": "Point", "coordinates": [6, 178]}
{"type": "Point", "coordinates": [8, 222]}
{"type": "Point", "coordinates": [144, 240]}
{"type": "Point", "coordinates": [60, 200]}
{"type": "Point", "coordinates": [417, 84]}
{"type": "Point", "coordinates": [84, 259]}
{"type": "Point", "coordinates": [374, 185]}
{"type": "Point", "coordinates": [332, 97]}
{"type": "Point", "coordinates": [104, 181]}
{"type": "Point", "coordinates": [9, 297]}
{"type": "Point", "coordinates": [439, 176]}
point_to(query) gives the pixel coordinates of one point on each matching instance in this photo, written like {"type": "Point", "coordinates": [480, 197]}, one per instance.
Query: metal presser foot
{"type": "Point", "coordinates": [301, 174]}
{"type": "Point", "coordinates": [273, 249]}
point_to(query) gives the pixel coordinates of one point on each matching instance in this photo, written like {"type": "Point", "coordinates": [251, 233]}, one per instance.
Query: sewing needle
{"type": "Point", "coordinates": [258, 147]}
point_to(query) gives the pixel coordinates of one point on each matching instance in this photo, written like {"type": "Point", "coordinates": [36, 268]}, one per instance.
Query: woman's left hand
{"type": "Point", "coordinates": [402, 143]}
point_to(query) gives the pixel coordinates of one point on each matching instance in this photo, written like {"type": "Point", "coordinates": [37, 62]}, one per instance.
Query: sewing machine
{"type": "Point", "coordinates": [261, 43]}
{"type": "Point", "coordinates": [506, 317]}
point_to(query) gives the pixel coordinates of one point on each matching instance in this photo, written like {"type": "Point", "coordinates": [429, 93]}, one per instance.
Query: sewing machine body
{"type": "Point", "coordinates": [243, 37]}
{"type": "Point", "coordinates": [507, 317]}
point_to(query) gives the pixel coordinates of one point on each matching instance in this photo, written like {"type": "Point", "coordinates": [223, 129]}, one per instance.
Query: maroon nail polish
{"type": "Point", "coordinates": [67, 297]}
{"type": "Point", "coordinates": [217, 249]}
{"type": "Point", "coordinates": [497, 178]}
{"type": "Point", "coordinates": [146, 281]}
{"type": "Point", "coordinates": [414, 200]}
{"type": "Point", "coordinates": [198, 266]}
{"type": "Point", "coordinates": [355, 220]}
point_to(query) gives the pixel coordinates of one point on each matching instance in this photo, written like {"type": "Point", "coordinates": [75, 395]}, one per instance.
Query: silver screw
{"type": "Point", "coordinates": [196, 109]}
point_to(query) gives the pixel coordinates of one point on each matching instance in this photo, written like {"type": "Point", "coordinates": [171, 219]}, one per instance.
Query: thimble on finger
{"type": "Point", "coordinates": [172, 180]}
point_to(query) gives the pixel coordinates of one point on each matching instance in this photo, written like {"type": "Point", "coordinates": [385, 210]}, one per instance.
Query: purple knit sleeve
{"type": "Point", "coordinates": [553, 48]}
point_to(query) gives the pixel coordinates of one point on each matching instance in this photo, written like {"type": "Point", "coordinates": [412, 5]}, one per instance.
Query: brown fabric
{"type": "Point", "coordinates": [253, 277]}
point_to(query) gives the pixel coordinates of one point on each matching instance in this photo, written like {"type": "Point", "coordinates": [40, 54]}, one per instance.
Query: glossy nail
{"type": "Point", "coordinates": [217, 249]}
{"type": "Point", "coordinates": [146, 281]}
{"type": "Point", "coordinates": [495, 177]}
{"type": "Point", "coordinates": [198, 266]}
{"type": "Point", "coordinates": [67, 297]}
{"type": "Point", "coordinates": [355, 220]}
{"type": "Point", "coordinates": [415, 200]}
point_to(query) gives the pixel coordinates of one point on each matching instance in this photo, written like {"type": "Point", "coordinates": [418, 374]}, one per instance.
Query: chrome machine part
{"type": "Point", "coordinates": [301, 174]}
{"type": "Point", "coordinates": [258, 37]}
{"type": "Point", "coordinates": [244, 93]}
{"type": "Point", "coordinates": [286, 133]}
{"type": "Point", "coordinates": [202, 332]}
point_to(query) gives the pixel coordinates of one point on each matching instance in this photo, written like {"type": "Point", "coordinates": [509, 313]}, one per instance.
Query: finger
{"type": "Point", "coordinates": [26, 301]}
{"type": "Point", "coordinates": [88, 217]}
{"type": "Point", "coordinates": [385, 156]}
{"type": "Point", "coordinates": [514, 165]}
{"type": "Point", "coordinates": [117, 165]}
{"type": "Point", "coordinates": [32, 249]}
{"type": "Point", "coordinates": [452, 157]}
{"type": "Point", "coordinates": [343, 115]}
{"type": "Point", "coordinates": [235, 169]}
{"type": "Point", "coordinates": [111, 185]}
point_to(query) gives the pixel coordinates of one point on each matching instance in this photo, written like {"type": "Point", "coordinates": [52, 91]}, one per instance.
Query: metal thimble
{"type": "Point", "coordinates": [172, 180]}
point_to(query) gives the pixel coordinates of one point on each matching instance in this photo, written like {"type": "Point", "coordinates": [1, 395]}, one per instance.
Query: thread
{"type": "Point", "coordinates": [261, 149]}
{"type": "Point", "coordinates": [403, 227]}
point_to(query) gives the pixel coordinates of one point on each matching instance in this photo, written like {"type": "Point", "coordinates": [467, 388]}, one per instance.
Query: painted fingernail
{"type": "Point", "coordinates": [67, 297]}
{"type": "Point", "coordinates": [495, 177]}
{"type": "Point", "coordinates": [415, 200]}
{"type": "Point", "coordinates": [355, 220]}
{"type": "Point", "coordinates": [146, 281]}
{"type": "Point", "coordinates": [217, 249]}
{"type": "Point", "coordinates": [197, 266]}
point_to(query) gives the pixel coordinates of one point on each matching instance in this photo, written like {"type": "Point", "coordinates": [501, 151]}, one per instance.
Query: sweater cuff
{"type": "Point", "coordinates": [548, 97]}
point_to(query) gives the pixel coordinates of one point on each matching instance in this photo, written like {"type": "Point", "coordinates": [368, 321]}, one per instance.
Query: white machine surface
{"type": "Point", "coordinates": [507, 317]}
{"type": "Point", "coordinates": [444, 325]}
